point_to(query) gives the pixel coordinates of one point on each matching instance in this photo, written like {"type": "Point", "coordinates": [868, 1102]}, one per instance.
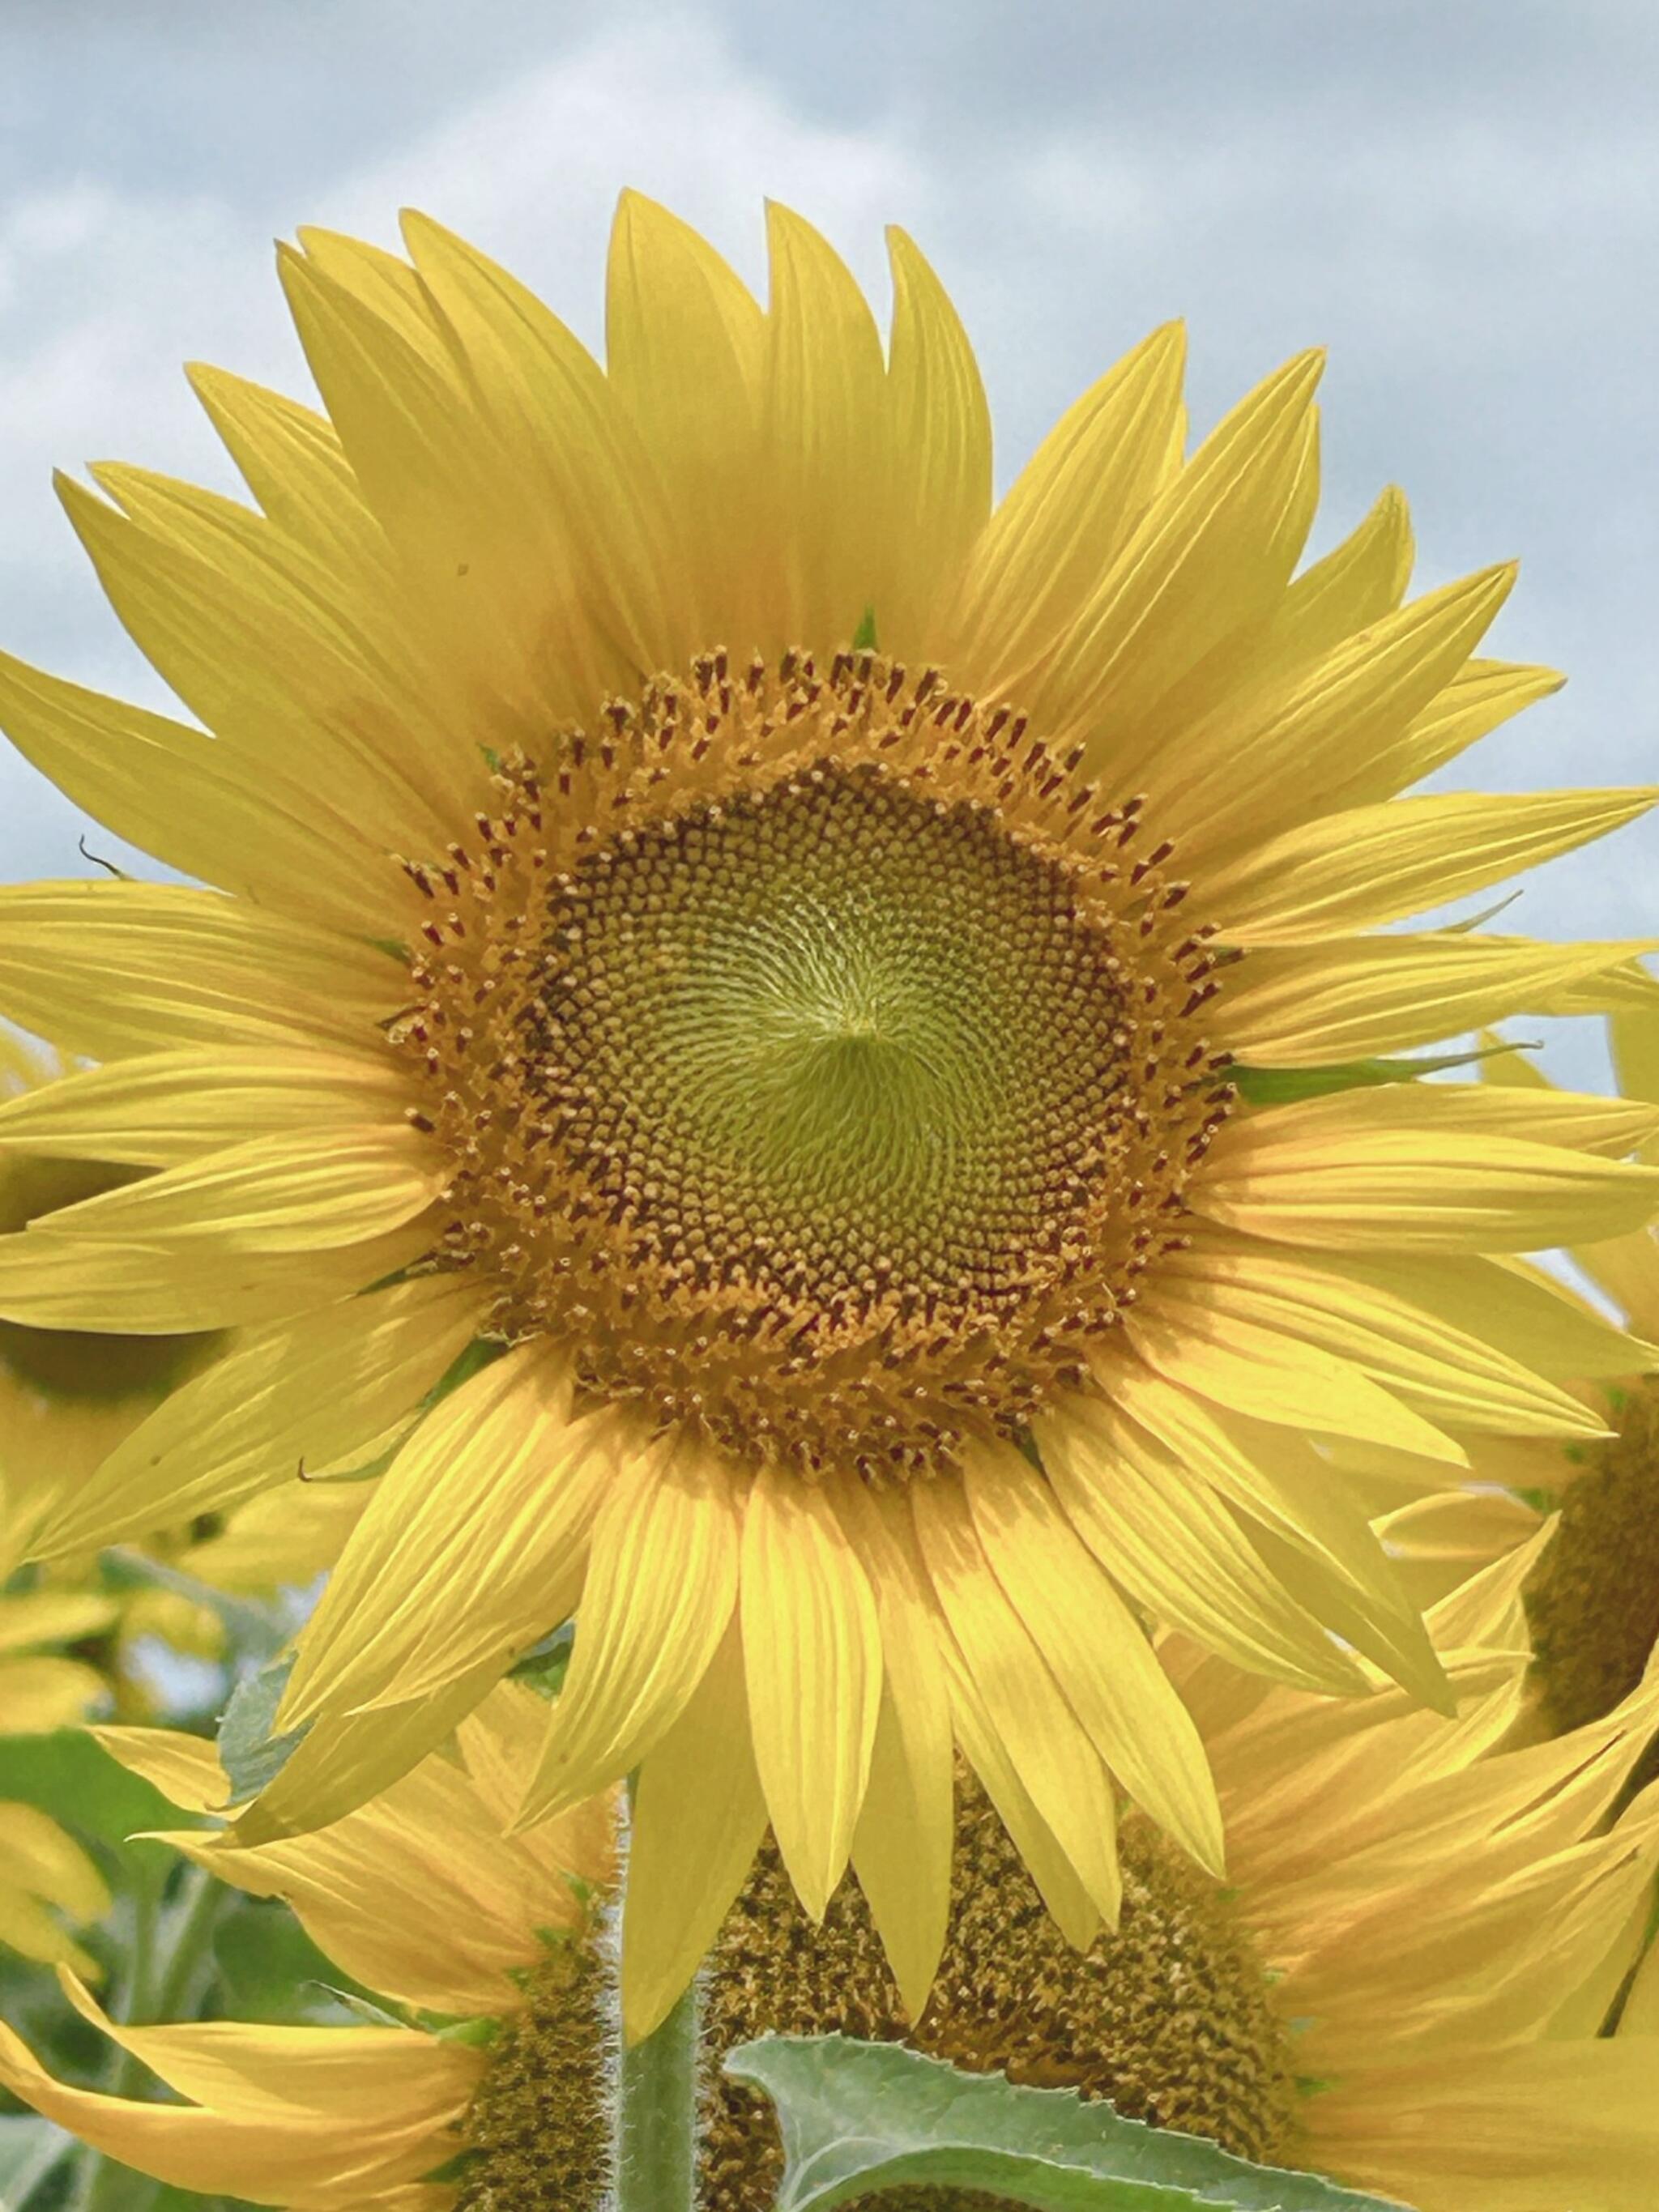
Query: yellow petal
{"type": "Point", "coordinates": [941, 432]}
{"type": "Point", "coordinates": [184, 1768]}
{"type": "Point", "coordinates": [1483, 694]}
{"type": "Point", "coordinates": [131, 1288]}
{"type": "Point", "coordinates": [1212, 554]}
{"type": "Point", "coordinates": [190, 801]}
{"type": "Point", "coordinates": [304, 1394]}
{"type": "Point", "coordinates": [699, 1817]}
{"type": "Point", "coordinates": [1069, 515]}
{"type": "Point", "coordinates": [1070, 1906]}
{"type": "Point", "coordinates": [323, 2116]}
{"type": "Point", "coordinates": [1099, 1655]}
{"type": "Point", "coordinates": [902, 1845]}
{"type": "Point", "coordinates": [170, 1107]}
{"type": "Point", "coordinates": [341, 1764]}
{"type": "Point", "coordinates": [469, 1900]}
{"type": "Point", "coordinates": [1330, 1560]}
{"type": "Point", "coordinates": [1452, 1377]}
{"type": "Point", "coordinates": [813, 1658]}
{"type": "Point", "coordinates": [1346, 1176]}
{"type": "Point", "coordinates": [1025, 1709]}
{"type": "Point", "coordinates": [52, 1616]}
{"type": "Point", "coordinates": [661, 1584]}
{"type": "Point", "coordinates": [685, 345]}
{"type": "Point", "coordinates": [829, 440]}
{"type": "Point", "coordinates": [472, 1548]}
{"type": "Point", "coordinates": [39, 1857]}
{"type": "Point", "coordinates": [1374, 864]}
{"type": "Point", "coordinates": [1301, 737]}
{"type": "Point", "coordinates": [1273, 1377]}
{"type": "Point", "coordinates": [1175, 1546]}
{"type": "Point", "coordinates": [299, 1191]}
{"type": "Point", "coordinates": [1355, 996]}
{"type": "Point", "coordinates": [112, 969]}
{"type": "Point", "coordinates": [583, 492]}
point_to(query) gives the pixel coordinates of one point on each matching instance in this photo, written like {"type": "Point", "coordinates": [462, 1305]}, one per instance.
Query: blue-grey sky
{"type": "Point", "coordinates": [1460, 197]}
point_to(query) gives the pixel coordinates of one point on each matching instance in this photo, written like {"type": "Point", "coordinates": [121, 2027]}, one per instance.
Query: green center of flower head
{"type": "Point", "coordinates": [819, 1053]}
{"type": "Point", "coordinates": [1593, 1603]}
{"type": "Point", "coordinates": [842, 1033]}
{"type": "Point", "coordinates": [66, 1363]}
{"type": "Point", "coordinates": [1170, 2018]}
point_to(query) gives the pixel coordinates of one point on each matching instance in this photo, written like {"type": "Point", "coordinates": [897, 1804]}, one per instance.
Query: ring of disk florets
{"type": "Point", "coordinates": [929, 950]}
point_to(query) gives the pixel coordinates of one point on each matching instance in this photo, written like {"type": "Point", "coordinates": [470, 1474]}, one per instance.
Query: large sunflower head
{"type": "Point", "coordinates": [866, 1001]}
{"type": "Point", "coordinates": [1402, 1987]}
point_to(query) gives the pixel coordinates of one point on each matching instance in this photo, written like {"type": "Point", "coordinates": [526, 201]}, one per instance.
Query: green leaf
{"type": "Point", "coordinates": [29, 2149]}
{"type": "Point", "coordinates": [859, 2117]}
{"type": "Point", "coordinates": [66, 1774]}
{"type": "Point", "coordinates": [250, 1752]}
{"type": "Point", "coordinates": [1283, 1086]}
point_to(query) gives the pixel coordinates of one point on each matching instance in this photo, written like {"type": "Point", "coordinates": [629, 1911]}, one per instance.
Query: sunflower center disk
{"type": "Point", "coordinates": [835, 1037]}
{"type": "Point", "coordinates": [1593, 1603]}
{"type": "Point", "coordinates": [817, 1055]}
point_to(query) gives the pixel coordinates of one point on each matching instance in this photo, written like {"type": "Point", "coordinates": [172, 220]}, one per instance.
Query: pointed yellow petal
{"type": "Point", "coordinates": [902, 1845]}
{"type": "Point", "coordinates": [1355, 996]}
{"type": "Point", "coordinates": [190, 801]}
{"type": "Point", "coordinates": [184, 1768]}
{"type": "Point", "coordinates": [1212, 554]}
{"type": "Point", "coordinates": [661, 1584]}
{"type": "Point", "coordinates": [1100, 1656]}
{"type": "Point", "coordinates": [1176, 1547]}
{"type": "Point", "coordinates": [1346, 1176]}
{"type": "Point", "coordinates": [829, 440]}
{"type": "Point", "coordinates": [1024, 1708]}
{"type": "Point", "coordinates": [1273, 1377]}
{"type": "Point", "coordinates": [583, 491]}
{"type": "Point", "coordinates": [309, 1394]}
{"type": "Point", "coordinates": [129, 1288]}
{"type": "Point", "coordinates": [1069, 515]}
{"type": "Point", "coordinates": [1357, 583]}
{"type": "Point", "coordinates": [685, 345]}
{"type": "Point", "coordinates": [170, 1107]}
{"type": "Point", "coordinates": [1483, 694]}
{"type": "Point", "coordinates": [305, 1191]}
{"type": "Point", "coordinates": [1452, 1377]}
{"type": "Point", "coordinates": [1330, 1560]}
{"type": "Point", "coordinates": [111, 969]}
{"type": "Point", "coordinates": [812, 1657]}
{"type": "Point", "coordinates": [699, 1817]}
{"type": "Point", "coordinates": [471, 1901]}
{"type": "Point", "coordinates": [1070, 1906]}
{"type": "Point", "coordinates": [1376, 864]}
{"type": "Point", "coordinates": [470, 1549]}
{"type": "Point", "coordinates": [341, 1764]}
{"type": "Point", "coordinates": [941, 431]}
{"type": "Point", "coordinates": [1301, 737]}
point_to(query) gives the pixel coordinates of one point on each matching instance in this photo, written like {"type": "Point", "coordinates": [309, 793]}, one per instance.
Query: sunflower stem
{"type": "Point", "coordinates": [657, 2115]}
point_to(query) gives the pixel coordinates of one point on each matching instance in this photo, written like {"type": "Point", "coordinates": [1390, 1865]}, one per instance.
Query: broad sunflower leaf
{"type": "Point", "coordinates": [858, 2118]}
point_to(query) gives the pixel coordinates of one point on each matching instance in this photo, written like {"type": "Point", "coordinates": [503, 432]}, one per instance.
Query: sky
{"type": "Point", "coordinates": [1461, 200]}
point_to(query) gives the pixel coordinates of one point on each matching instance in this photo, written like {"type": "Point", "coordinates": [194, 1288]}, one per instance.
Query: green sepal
{"type": "Point", "coordinates": [251, 1751]}
{"type": "Point", "coordinates": [864, 637]}
{"type": "Point", "coordinates": [1284, 1086]}
{"type": "Point", "coordinates": [858, 2118]}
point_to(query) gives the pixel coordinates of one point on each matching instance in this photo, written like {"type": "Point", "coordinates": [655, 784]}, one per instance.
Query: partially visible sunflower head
{"type": "Point", "coordinates": [874, 1007]}
{"type": "Point", "coordinates": [1401, 1988]}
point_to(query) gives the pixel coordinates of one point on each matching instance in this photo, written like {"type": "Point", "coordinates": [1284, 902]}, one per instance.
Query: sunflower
{"type": "Point", "coordinates": [45, 1877]}
{"type": "Point", "coordinates": [1372, 1998]}
{"type": "Point", "coordinates": [821, 978]}
{"type": "Point", "coordinates": [67, 1398]}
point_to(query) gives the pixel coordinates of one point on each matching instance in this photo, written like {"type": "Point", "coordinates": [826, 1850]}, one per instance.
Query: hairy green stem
{"type": "Point", "coordinates": [656, 2116]}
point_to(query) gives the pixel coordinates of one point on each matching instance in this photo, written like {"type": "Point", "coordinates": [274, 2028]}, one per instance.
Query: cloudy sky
{"type": "Point", "coordinates": [1460, 197]}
